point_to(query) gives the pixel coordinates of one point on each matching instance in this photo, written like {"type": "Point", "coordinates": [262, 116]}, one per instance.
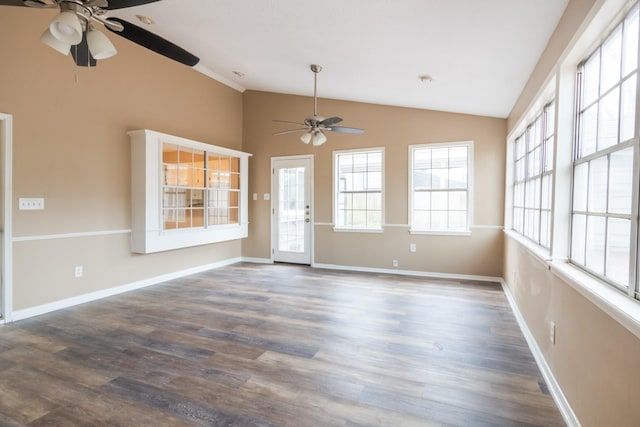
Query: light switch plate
{"type": "Point", "coordinates": [31, 203]}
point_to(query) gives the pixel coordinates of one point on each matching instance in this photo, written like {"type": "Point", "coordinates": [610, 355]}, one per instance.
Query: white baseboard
{"type": "Point", "coordinates": [257, 260]}
{"type": "Point", "coordinates": [407, 272]}
{"type": "Point", "coordinates": [92, 296]}
{"type": "Point", "coordinates": [554, 388]}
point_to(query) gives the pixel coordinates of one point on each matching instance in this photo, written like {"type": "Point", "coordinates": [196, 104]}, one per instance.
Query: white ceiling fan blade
{"type": "Point", "coordinates": [290, 131]}
{"type": "Point", "coordinates": [342, 129]}
{"type": "Point", "coordinates": [291, 123]}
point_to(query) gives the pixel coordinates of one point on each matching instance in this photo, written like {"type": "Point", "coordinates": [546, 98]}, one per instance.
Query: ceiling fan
{"type": "Point", "coordinates": [72, 30]}
{"type": "Point", "coordinates": [315, 126]}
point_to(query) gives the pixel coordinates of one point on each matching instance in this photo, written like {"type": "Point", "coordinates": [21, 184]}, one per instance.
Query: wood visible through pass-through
{"type": "Point", "coordinates": [277, 345]}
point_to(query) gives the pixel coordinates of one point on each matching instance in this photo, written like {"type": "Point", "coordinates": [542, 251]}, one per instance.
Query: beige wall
{"type": "Point", "coordinates": [395, 129]}
{"type": "Point", "coordinates": [70, 147]}
{"type": "Point", "coordinates": [595, 358]}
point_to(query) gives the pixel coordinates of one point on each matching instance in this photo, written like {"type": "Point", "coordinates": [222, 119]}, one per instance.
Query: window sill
{"type": "Point", "coordinates": [441, 233]}
{"type": "Point", "coordinates": [619, 306]}
{"type": "Point", "coordinates": [357, 230]}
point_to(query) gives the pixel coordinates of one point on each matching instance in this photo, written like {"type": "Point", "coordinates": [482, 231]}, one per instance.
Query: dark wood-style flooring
{"type": "Point", "coordinates": [277, 345]}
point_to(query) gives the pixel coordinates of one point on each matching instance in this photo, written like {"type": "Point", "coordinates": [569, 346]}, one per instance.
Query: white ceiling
{"type": "Point", "coordinates": [480, 53]}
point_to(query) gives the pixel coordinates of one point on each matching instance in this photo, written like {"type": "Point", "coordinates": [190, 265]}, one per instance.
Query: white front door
{"type": "Point", "coordinates": [291, 210]}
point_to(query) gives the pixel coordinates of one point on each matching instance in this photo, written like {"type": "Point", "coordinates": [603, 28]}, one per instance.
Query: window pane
{"type": "Point", "coordinates": [628, 106]}
{"type": "Point", "coordinates": [611, 58]}
{"type": "Point", "coordinates": [457, 220]}
{"type": "Point", "coordinates": [422, 200]}
{"type": "Point", "coordinates": [374, 201]}
{"type": "Point", "coordinates": [374, 219]}
{"type": "Point", "coordinates": [439, 200]}
{"type": "Point", "coordinates": [591, 78]}
{"type": "Point", "coordinates": [546, 192]}
{"type": "Point", "coordinates": [630, 43]}
{"type": "Point", "coordinates": [594, 255]}
{"type": "Point", "coordinates": [439, 220]}
{"type": "Point", "coordinates": [589, 120]}
{"type": "Point", "coordinates": [608, 120]}
{"type": "Point", "coordinates": [544, 228]}
{"type": "Point", "coordinates": [598, 185]}
{"type": "Point", "coordinates": [458, 200]}
{"type": "Point", "coordinates": [458, 178]}
{"type": "Point", "coordinates": [578, 238]}
{"type": "Point", "coordinates": [620, 181]}
{"type": "Point", "coordinates": [618, 252]}
{"type": "Point", "coordinates": [580, 187]}
{"type": "Point", "coordinates": [440, 158]}
{"type": "Point", "coordinates": [422, 220]}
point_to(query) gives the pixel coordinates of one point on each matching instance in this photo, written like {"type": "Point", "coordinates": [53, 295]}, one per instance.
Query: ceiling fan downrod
{"type": "Point", "coordinates": [316, 69]}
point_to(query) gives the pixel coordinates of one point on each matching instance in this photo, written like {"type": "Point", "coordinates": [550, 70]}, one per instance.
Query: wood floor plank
{"type": "Point", "coordinates": [277, 345]}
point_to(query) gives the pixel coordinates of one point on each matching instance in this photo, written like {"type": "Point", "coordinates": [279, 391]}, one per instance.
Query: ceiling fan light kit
{"type": "Point", "coordinates": [48, 39]}
{"type": "Point", "coordinates": [66, 28]}
{"type": "Point", "coordinates": [72, 28]}
{"type": "Point", "coordinates": [315, 126]}
{"type": "Point", "coordinates": [99, 45]}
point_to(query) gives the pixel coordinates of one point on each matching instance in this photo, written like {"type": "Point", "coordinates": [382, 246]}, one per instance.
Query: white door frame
{"type": "Point", "coordinates": [274, 237]}
{"type": "Point", "coordinates": [6, 269]}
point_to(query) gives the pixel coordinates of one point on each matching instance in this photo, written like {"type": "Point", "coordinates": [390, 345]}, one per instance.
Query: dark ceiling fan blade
{"type": "Point", "coordinates": [291, 131]}
{"type": "Point", "coordinates": [154, 42]}
{"type": "Point", "coordinates": [14, 3]}
{"type": "Point", "coordinates": [343, 129]}
{"type": "Point", "coordinates": [81, 55]}
{"type": "Point", "coordinates": [121, 4]}
{"type": "Point", "coordinates": [331, 121]}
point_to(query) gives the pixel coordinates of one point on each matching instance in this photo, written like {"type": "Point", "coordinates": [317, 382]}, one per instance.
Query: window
{"type": "Point", "coordinates": [199, 189]}
{"type": "Point", "coordinates": [440, 183]}
{"type": "Point", "coordinates": [358, 189]}
{"type": "Point", "coordinates": [185, 193]}
{"type": "Point", "coordinates": [604, 212]}
{"type": "Point", "coordinates": [533, 173]}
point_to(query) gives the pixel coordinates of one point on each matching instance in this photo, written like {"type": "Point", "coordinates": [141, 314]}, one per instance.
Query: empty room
{"type": "Point", "coordinates": [329, 213]}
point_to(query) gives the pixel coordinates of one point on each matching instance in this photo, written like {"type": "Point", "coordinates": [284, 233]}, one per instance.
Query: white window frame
{"type": "Point", "coordinates": [469, 189]}
{"type": "Point", "coordinates": [337, 192]}
{"type": "Point", "coordinates": [147, 232]}
{"type": "Point", "coordinates": [546, 140]}
{"type": "Point", "coordinates": [581, 160]}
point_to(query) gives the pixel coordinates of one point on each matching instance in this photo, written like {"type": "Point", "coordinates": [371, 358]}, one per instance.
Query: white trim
{"type": "Point", "coordinates": [468, 144]}
{"type": "Point", "coordinates": [358, 230]}
{"type": "Point", "coordinates": [104, 293]}
{"type": "Point", "coordinates": [215, 76]}
{"type": "Point", "coordinates": [407, 272]}
{"type": "Point", "coordinates": [477, 226]}
{"type": "Point", "coordinates": [256, 260]}
{"type": "Point", "coordinates": [487, 227]}
{"type": "Point", "coordinates": [442, 232]}
{"type": "Point", "coordinates": [70, 235]}
{"type": "Point", "coordinates": [554, 388]}
{"type": "Point", "coordinates": [7, 243]}
{"type": "Point", "coordinates": [336, 190]}
{"type": "Point", "coordinates": [309, 244]}
{"type": "Point", "coordinates": [616, 304]}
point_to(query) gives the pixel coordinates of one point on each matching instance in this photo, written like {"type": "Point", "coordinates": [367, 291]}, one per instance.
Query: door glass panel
{"type": "Point", "coordinates": [291, 212]}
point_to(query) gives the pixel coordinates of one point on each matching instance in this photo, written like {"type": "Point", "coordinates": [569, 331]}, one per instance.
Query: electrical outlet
{"type": "Point", "coordinates": [77, 272]}
{"type": "Point", "coordinates": [412, 247]}
{"type": "Point", "coordinates": [552, 332]}
{"type": "Point", "coordinates": [395, 263]}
